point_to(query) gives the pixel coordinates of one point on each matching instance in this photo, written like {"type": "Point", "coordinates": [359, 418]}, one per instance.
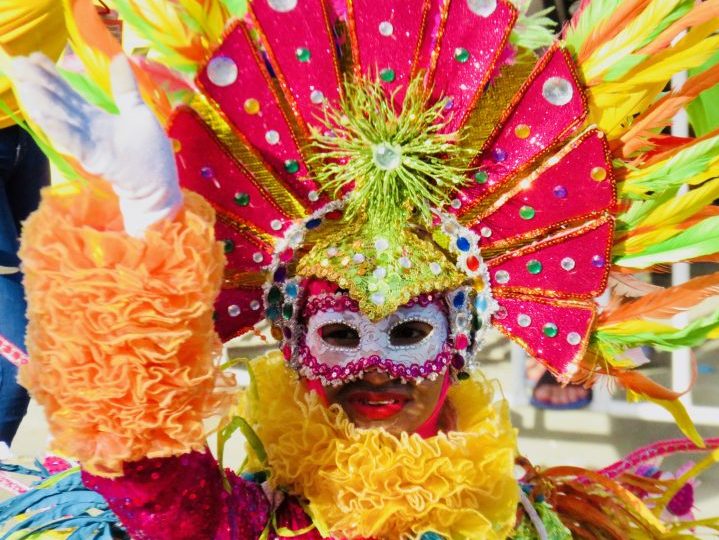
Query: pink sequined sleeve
{"type": "Point", "coordinates": [182, 498]}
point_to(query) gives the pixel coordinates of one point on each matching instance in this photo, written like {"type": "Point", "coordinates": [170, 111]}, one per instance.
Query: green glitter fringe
{"type": "Point", "coordinates": [427, 174]}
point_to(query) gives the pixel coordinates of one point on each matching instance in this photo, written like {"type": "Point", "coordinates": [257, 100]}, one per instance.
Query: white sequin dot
{"type": "Point", "coordinates": [568, 264]}
{"type": "Point", "coordinates": [435, 268]}
{"type": "Point", "coordinates": [557, 91]}
{"type": "Point", "coordinates": [486, 232]}
{"type": "Point", "coordinates": [358, 258]}
{"type": "Point", "coordinates": [524, 320]}
{"type": "Point", "coordinates": [332, 251]}
{"type": "Point", "coordinates": [313, 196]}
{"type": "Point", "coordinates": [501, 276]}
{"type": "Point", "coordinates": [377, 299]}
{"type": "Point", "coordinates": [283, 6]}
{"type": "Point", "coordinates": [381, 244]}
{"type": "Point", "coordinates": [456, 203]}
{"type": "Point", "coordinates": [573, 338]}
{"type": "Point", "coordinates": [483, 8]}
{"type": "Point", "coordinates": [254, 305]}
{"type": "Point", "coordinates": [317, 97]}
{"type": "Point", "coordinates": [276, 224]}
{"type": "Point", "coordinates": [222, 71]}
{"type": "Point", "coordinates": [380, 272]}
{"type": "Point", "coordinates": [405, 262]}
{"type": "Point", "coordinates": [386, 28]}
{"type": "Point", "coordinates": [272, 137]}
{"type": "Point", "coordinates": [234, 310]}
{"type": "Point", "coordinates": [258, 257]}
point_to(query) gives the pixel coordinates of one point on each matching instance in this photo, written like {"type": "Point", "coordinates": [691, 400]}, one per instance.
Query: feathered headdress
{"type": "Point", "coordinates": [401, 147]}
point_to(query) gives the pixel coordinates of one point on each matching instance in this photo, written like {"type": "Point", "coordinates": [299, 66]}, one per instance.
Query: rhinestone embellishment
{"type": "Point", "coordinates": [272, 137]}
{"type": "Point", "coordinates": [386, 28]}
{"type": "Point", "coordinates": [483, 8]}
{"type": "Point", "coordinates": [317, 97]}
{"type": "Point", "coordinates": [524, 320]}
{"type": "Point", "coordinates": [550, 330]}
{"type": "Point", "coordinates": [557, 91]}
{"type": "Point", "coordinates": [222, 71]}
{"type": "Point", "coordinates": [283, 6]}
{"type": "Point", "coordinates": [568, 264]}
{"type": "Point", "coordinates": [386, 156]}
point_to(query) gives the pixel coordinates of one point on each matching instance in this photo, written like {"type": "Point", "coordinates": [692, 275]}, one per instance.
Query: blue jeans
{"type": "Point", "coordinates": [23, 171]}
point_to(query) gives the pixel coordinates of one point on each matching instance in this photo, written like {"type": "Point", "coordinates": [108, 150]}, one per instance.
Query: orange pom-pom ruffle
{"type": "Point", "coordinates": [121, 336]}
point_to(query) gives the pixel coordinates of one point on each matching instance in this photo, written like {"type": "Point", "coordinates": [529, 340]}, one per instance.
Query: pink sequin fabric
{"type": "Point", "coordinates": [182, 498]}
{"type": "Point", "coordinates": [540, 194]}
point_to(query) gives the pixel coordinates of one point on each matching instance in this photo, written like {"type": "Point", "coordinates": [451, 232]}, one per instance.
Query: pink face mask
{"type": "Point", "coordinates": [340, 343]}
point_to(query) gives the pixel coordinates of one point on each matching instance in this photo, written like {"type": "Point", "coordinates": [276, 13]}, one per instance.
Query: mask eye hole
{"type": "Point", "coordinates": [409, 333]}
{"type": "Point", "coordinates": [340, 335]}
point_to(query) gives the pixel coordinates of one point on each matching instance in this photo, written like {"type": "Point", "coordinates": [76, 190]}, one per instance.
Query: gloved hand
{"type": "Point", "coordinates": [130, 149]}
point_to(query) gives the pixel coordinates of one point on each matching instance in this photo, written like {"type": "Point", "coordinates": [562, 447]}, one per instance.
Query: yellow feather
{"type": "Point", "coordinates": [632, 327]}
{"type": "Point", "coordinates": [628, 40]}
{"type": "Point", "coordinates": [636, 243]}
{"type": "Point", "coordinates": [632, 183]}
{"type": "Point", "coordinates": [681, 208]}
{"type": "Point", "coordinates": [96, 63]}
{"type": "Point", "coordinates": [612, 102]}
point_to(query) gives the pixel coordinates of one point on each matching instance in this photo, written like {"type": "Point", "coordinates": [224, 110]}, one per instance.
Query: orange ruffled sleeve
{"type": "Point", "coordinates": [121, 336]}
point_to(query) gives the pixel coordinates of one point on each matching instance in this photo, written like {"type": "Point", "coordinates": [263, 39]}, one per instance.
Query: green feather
{"type": "Point", "coordinates": [703, 112]}
{"type": "Point", "coordinates": [639, 210]}
{"type": "Point", "coordinates": [589, 19]}
{"type": "Point", "coordinates": [696, 241]}
{"type": "Point", "coordinates": [170, 57]}
{"type": "Point", "coordinates": [90, 90]}
{"type": "Point", "coordinates": [629, 62]}
{"type": "Point", "coordinates": [692, 335]}
{"type": "Point", "coordinates": [237, 8]}
{"type": "Point", "coordinates": [533, 31]}
{"type": "Point", "coordinates": [553, 525]}
{"type": "Point", "coordinates": [677, 170]}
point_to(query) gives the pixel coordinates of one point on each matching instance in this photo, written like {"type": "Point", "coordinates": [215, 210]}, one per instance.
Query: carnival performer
{"type": "Point", "coordinates": [387, 180]}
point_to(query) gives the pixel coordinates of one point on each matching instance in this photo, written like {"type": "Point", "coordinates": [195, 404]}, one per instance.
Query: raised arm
{"type": "Point", "coordinates": [121, 277]}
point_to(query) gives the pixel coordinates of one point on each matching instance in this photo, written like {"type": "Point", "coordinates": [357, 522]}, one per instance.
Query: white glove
{"type": "Point", "coordinates": [130, 150]}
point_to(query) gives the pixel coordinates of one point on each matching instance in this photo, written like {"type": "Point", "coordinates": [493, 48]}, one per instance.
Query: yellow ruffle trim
{"type": "Point", "coordinates": [368, 483]}
{"type": "Point", "coordinates": [121, 336]}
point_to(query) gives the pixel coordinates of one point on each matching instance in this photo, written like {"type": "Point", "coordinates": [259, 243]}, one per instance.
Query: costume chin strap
{"type": "Point", "coordinates": [430, 426]}
{"type": "Point", "coordinates": [428, 429]}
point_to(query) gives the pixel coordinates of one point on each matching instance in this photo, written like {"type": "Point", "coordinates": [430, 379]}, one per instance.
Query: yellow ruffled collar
{"type": "Point", "coordinates": [370, 484]}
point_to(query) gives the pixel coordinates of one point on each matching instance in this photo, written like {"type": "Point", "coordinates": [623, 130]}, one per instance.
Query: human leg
{"type": "Point", "coordinates": [23, 170]}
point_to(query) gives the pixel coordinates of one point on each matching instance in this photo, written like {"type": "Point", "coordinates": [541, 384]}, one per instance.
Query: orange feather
{"type": "Point", "coordinates": [608, 29]}
{"type": "Point", "coordinates": [95, 34]}
{"type": "Point", "coordinates": [666, 303]}
{"type": "Point", "coordinates": [660, 114]}
{"type": "Point", "coordinates": [683, 143]}
{"type": "Point", "coordinates": [701, 13]}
